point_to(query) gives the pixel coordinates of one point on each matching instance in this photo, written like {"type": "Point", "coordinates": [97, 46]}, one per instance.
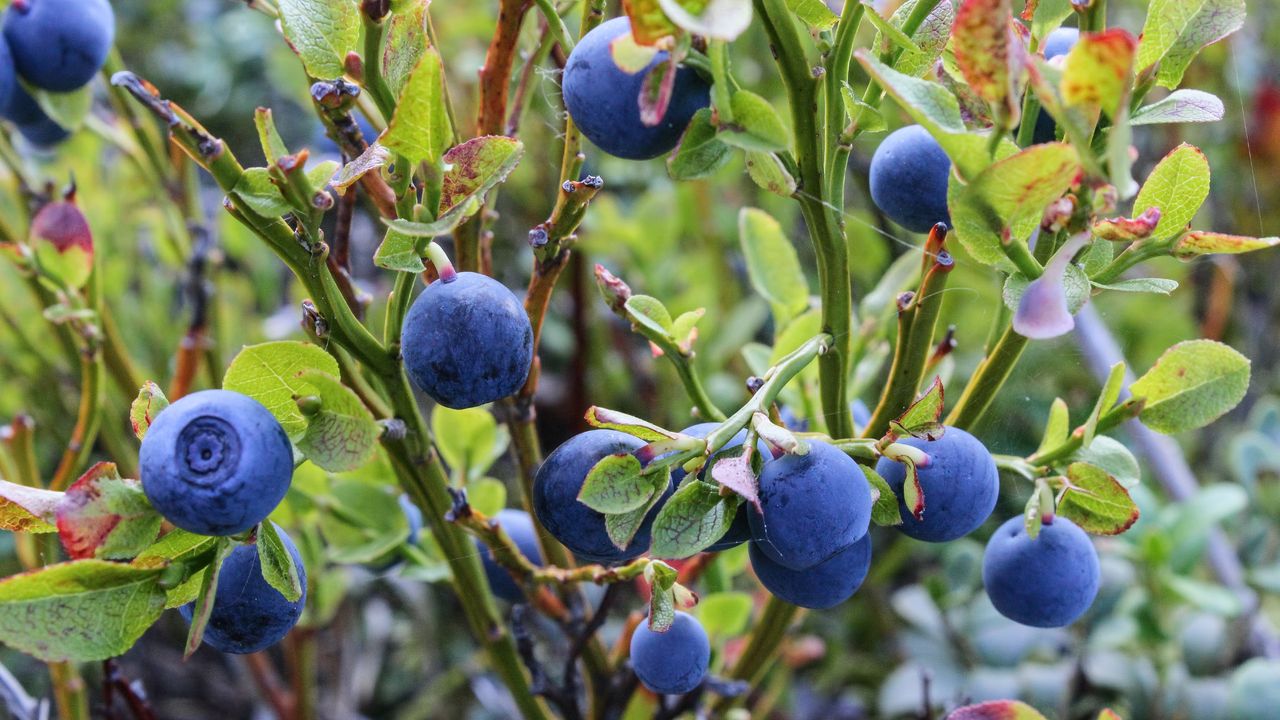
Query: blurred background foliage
{"type": "Point", "coordinates": [921, 631]}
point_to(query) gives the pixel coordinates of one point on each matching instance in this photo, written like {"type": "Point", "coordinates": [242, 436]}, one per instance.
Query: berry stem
{"type": "Point", "coordinates": [987, 380]}
{"type": "Point", "coordinates": [438, 258]}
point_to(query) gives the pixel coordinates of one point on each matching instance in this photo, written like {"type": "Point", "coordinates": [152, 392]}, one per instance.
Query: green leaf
{"type": "Point", "coordinates": [1199, 242]}
{"type": "Point", "coordinates": [476, 166]}
{"type": "Point", "coordinates": [406, 40]}
{"type": "Point", "coordinates": [772, 264]}
{"type": "Point", "coordinates": [1074, 281]}
{"type": "Point", "coordinates": [487, 496]}
{"type": "Point", "coordinates": [82, 611]}
{"type": "Point", "coordinates": [700, 153]}
{"type": "Point", "coordinates": [399, 252]}
{"type": "Point", "coordinates": [273, 147]}
{"type": "Point", "coordinates": [756, 125]}
{"type": "Point", "coordinates": [868, 118]}
{"type": "Point", "coordinates": [270, 374]}
{"type": "Point", "coordinates": [362, 522]}
{"type": "Point", "coordinates": [342, 435]}
{"type": "Point", "coordinates": [925, 413]}
{"type": "Point", "coordinates": [67, 109]}
{"type": "Point", "coordinates": [648, 23]}
{"type": "Point", "coordinates": [1159, 286]}
{"type": "Point", "coordinates": [420, 129]}
{"type": "Point", "coordinates": [889, 35]}
{"type": "Point", "coordinates": [930, 37]}
{"type": "Point", "coordinates": [1106, 400]}
{"type": "Point", "coordinates": [691, 520]}
{"type": "Point", "coordinates": [814, 13]}
{"type": "Point", "coordinates": [1057, 427]}
{"type": "Point", "coordinates": [1180, 106]}
{"type": "Point", "coordinates": [715, 19]}
{"type": "Point", "coordinates": [1191, 385]}
{"type": "Point", "coordinates": [105, 516]}
{"type": "Point", "coordinates": [375, 156]}
{"type": "Point", "coordinates": [322, 32]}
{"type": "Point", "coordinates": [599, 417]}
{"type": "Point", "coordinates": [1096, 502]}
{"type": "Point", "coordinates": [622, 528]}
{"type": "Point", "coordinates": [145, 407]}
{"type": "Point", "coordinates": [1112, 456]}
{"type": "Point", "coordinates": [321, 174]}
{"type": "Point", "coordinates": [1046, 16]}
{"type": "Point", "coordinates": [617, 484]}
{"type": "Point", "coordinates": [205, 598]}
{"type": "Point", "coordinates": [1178, 185]}
{"type": "Point", "coordinates": [187, 551]}
{"type": "Point", "coordinates": [724, 614]}
{"type": "Point", "coordinates": [28, 509]}
{"type": "Point", "coordinates": [465, 438]}
{"type": "Point", "coordinates": [649, 315]}
{"type": "Point", "coordinates": [884, 510]}
{"type": "Point", "coordinates": [442, 225]}
{"type": "Point", "coordinates": [255, 189]}
{"type": "Point", "coordinates": [1008, 199]}
{"type": "Point", "coordinates": [1099, 71]}
{"type": "Point", "coordinates": [1206, 596]}
{"type": "Point", "coordinates": [277, 563]}
{"type": "Point", "coordinates": [1176, 31]}
{"type": "Point", "coordinates": [768, 172]}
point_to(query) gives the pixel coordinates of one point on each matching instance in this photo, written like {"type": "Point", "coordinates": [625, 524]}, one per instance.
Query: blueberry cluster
{"type": "Point", "coordinates": [51, 45]}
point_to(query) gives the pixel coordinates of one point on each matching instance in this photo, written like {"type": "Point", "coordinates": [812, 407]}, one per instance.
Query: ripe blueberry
{"type": "Point", "coordinates": [519, 525]}
{"type": "Point", "coordinates": [960, 486]}
{"type": "Point", "coordinates": [672, 662]}
{"type": "Point", "coordinates": [576, 526]}
{"type": "Point", "coordinates": [216, 463]}
{"type": "Point", "coordinates": [59, 45]}
{"type": "Point", "coordinates": [248, 614]}
{"type": "Point", "coordinates": [813, 506]}
{"type": "Point", "coordinates": [1046, 582]}
{"type": "Point", "coordinates": [603, 100]}
{"type": "Point", "coordinates": [909, 174]}
{"type": "Point", "coordinates": [467, 341]}
{"type": "Point", "coordinates": [8, 76]}
{"type": "Point", "coordinates": [822, 586]}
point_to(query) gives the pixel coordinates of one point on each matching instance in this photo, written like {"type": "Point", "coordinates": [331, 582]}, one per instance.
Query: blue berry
{"type": "Point", "coordinates": [1046, 582]}
{"type": "Point", "coordinates": [248, 614]}
{"type": "Point", "coordinates": [59, 45]}
{"type": "Point", "coordinates": [822, 586]}
{"type": "Point", "coordinates": [467, 341]}
{"type": "Point", "coordinates": [672, 662]}
{"type": "Point", "coordinates": [909, 175]}
{"type": "Point", "coordinates": [216, 463]}
{"type": "Point", "coordinates": [960, 484]}
{"type": "Point", "coordinates": [519, 525]}
{"type": "Point", "coordinates": [603, 100]}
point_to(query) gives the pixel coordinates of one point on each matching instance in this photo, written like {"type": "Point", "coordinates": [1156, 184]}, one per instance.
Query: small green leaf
{"type": "Point", "coordinates": [399, 252]}
{"type": "Point", "coordinates": [362, 522]}
{"type": "Point", "coordinates": [649, 314]}
{"type": "Point", "coordinates": [1176, 31]}
{"type": "Point", "coordinates": [1106, 400]}
{"type": "Point", "coordinates": [1200, 242]}
{"type": "Point", "coordinates": [868, 118]}
{"type": "Point", "coordinates": [772, 264]}
{"type": "Point", "coordinates": [884, 510]}
{"type": "Point", "coordinates": [756, 125]}
{"type": "Point", "coordinates": [375, 156]}
{"type": "Point", "coordinates": [1180, 106]}
{"type": "Point", "coordinates": [205, 597]}
{"type": "Point", "coordinates": [465, 438]}
{"type": "Point", "coordinates": [599, 417]}
{"type": "Point", "coordinates": [617, 484]}
{"type": "Point", "coordinates": [477, 166]}
{"type": "Point", "coordinates": [926, 412]}
{"type": "Point", "coordinates": [691, 520]}
{"type": "Point", "coordinates": [341, 436]}
{"type": "Point", "coordinates": [179, 548]}
{"type": "Point", "coordinates": [700, 153]}
{"type": "Point", "coordinates": [930, 37]}
{"type": "Point", "coordinates": [1178, 185]}
{"type": "Point", "coordinates": [406, 40]}
{"type": "Point", "coordinates": [269, 373]}
{"type": "Point", "coordinates": [105, 516]}
{"type": "Point", "coordinates": [1158, 286]}
{"type": "Point", "coordinates": [725, 614]}
{"type": "Point", "coordinates": [1206, 596]}
{"type": "Point", "coordinates": [144, 409]}
{"type": "Point", "coordinates": [67, 109]}
{"type": "Point", "coordinates": [420, 129]}
{"type": "Point", "coordinates": [890, 35]}
{"type": "Point", "coordinates": [622, 528]}
{"type": "Point", "coordinates": [255, 190]}
{"type": "Point", "coordinates": [487, 496]}
{"type": "Point", "coordinates": [322, 32]}
{"type": "Point", "coordinates": [1045, 16]}
{"type": "Point", "coordinates": [814, 13]}
{"type": "Point", "coordinates": [1112, 456]}
{"type": "Point", "coordinates": [277, 564]}
{"type": "Point", "coordinates": [273, 147]}
{"type": "Point", "coordinates": [1057, 427]}
{"type": "Point", "coordinates": [767, 171]}
{"type": "Point", "coordinates": [1095, 501]}
{"type": "Point", "coordinates": [1191, 385]}
{"type": "Point", "coordinates": [83, 610]}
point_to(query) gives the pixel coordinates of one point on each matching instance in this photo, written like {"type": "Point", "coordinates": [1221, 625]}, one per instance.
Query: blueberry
{"type": "Point", "coordinates": [822, 586]}
{"type": "Point", "coordinates": [59, 45]}
{"type": "Point", "coordinates": [909, 174]}
{"type": "Point", "coordinates": [216, 463]}
{"type": "Point", "coordinates": [960, 486]}
{"type": "Point", "coordinates": [1058, 43]}
{"type": "Point", "coordinates": [603, 100]}
{"type": "Point", "coordinates": [519, 525]}
{"type": "Point", "coordinates": [44, 134]}
{"type": "Point", "coordinates": [467, 341]}
{"type": "Point", "coordinates": [672, 662]}
{"type": "Point", "coordinates": [814, 506]}
{"type": "Point", "coordinates": [1046, 582]}
{"type": "Point", "coordinates": [576, 526]}
{"type": "Point", "coordinates": [8, 77]}
{"type": "Point", "coordinates": [248, 614]}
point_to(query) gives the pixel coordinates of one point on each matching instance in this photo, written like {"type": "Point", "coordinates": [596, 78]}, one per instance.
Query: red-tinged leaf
{"type": "Point", "coordinates": [989, 54]}
{"type": "Point", "coordinates": [912, 492]}
{"type": "Point", "coordinates": [1203, 242]}
{"type": "Point", "coordinates": [27, 509]}
{"type": "Point", "coordinates": [1096, 501]}
{"type": "Point", "coordinates": [925, 414]}
{"type": "Point", "coordinates": [996, 710]}
{"type": "Point", "coordinates": [648, 23]}
{"type": "Point", "coordinates": [62, 243]}
{"type": "Point", "coordinates": [655, 92]}
{"type": "Point", "coordinates": [105, 516]}
{"type": "Point", "coordinates": [145, 408]}
{"type": "Point", "coordinates": [476, 166]}
{"type": "Point", "coordinates": [1123, 229]}
{"type": "Point", "coordinates": [1099, 69]}
{"type": "Point", "coordinates": [373, 157]}
{"type": "Point", "coordinates": [735, 473]}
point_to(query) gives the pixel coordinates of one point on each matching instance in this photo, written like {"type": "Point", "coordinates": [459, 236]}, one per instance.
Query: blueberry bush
{"type": "Point", "coordinates": [367, 364]}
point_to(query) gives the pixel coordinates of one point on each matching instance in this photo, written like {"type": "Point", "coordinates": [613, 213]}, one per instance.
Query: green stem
{"type": "Point", "coordinates": [375, 32]}
{"type": "Point", "coordinates": [987, 380]}
{"type": "Point", "coordinates": [1119, 414]}
{"type": "Point", "coordinates": [555, 24]}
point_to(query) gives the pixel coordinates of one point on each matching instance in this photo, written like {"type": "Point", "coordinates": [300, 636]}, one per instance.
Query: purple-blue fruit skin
{"type": "Point", "coordinates": [60, 45]}
{"type": "Point", "coordinates": [822, 586]}
{"type": "Point", "coordinates": [576, 526]}
{"type": "Point", "coordinates": [1046, 582]}
{"type": "Point", "coordinates": [603, 100]}
{"type": "Point", "coordinates": [908, 177]}
{"type": "Point", "coordinates": [248, 614]}
{"type": "Point", "coordinates": [961, 485]}
{"type": "Point", "coordinates": [467, 341]}
{"type": "Point", "coordinates": [672, 662]}
{"type": "Point", "coordinates": [519, 525]}
{"type": "Point", "coordinates": [216, 463]}
{"type": "Point", "coordinates": [813, 506]}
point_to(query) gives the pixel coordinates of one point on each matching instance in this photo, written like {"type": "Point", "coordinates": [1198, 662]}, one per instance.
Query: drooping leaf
{"type": "Point", "coordinates": [342, 434]}
{"type": "Point", "coordinates": [375, 156]}
{"type": "Point", "coordinates": [270, 374]}
{"type": "Point", "coordinates": [599, 417]}
{"type": "Point", "coordinates": [691, 520]}
{"type": "Point", "coordinates": [884, 509]}
{"type": "Point", "coordinates": [756, 124]}
{"type": "Point", "coordinates": [180, 548]}
{"type": "Point", "coordinates": [700, 153]}
{"type": "Point", "coordinates": [28, 509]}
{"type": "Point", "coordinates": [767, 171]}
{"type": "Point", "coordinates": [1201, 242]}
{"type": "Point", "coordinates": [1191, 385]}
{"type": "Point", "coordinates": [1113, 457]}
{"type": "Point", "coordinates": [617, 484]}
{"type": "Point", "coordinates": [278, 568]}
{"type": "Point", "coordinates": [202, 607]}
{"type": "Point", "coordinates": [655, 91]}
{"type": "Point", "coordinates": [1158, 286]}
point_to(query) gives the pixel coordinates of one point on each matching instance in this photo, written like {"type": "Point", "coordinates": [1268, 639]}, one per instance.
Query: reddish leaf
{"type": "Point", "coordinates": [655, 92]}
{"type": "Point", "coordinates": [27, 509]}
{"type": "Point", "coordinates": [1127, 230]}
{"type": "Point", "coordinates": [735, 473]}
{"type": "Point", "coordinates": [996, 710]}
{"type": "Point", "coordinates": [1098, 70]}
{"type": "Point", "coordinates": [989, 53]}
{"type": "Point", "coordinates": [105, 516]}
{"type": "Point", "coordinates": [476, 166]}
